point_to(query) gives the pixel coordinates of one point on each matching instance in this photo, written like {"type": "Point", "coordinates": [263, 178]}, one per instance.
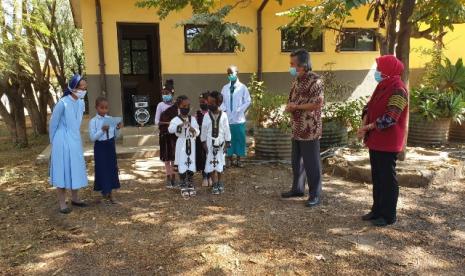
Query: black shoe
{"type": "Point", "coordinates": [78, 204]}
{"type": "Point", "coordinates": [313, 202]}
{"type": "Point", "coordinates": [381, 222]}
{"type": "Point", "coordinates": [291, 194]}
{"type": "Point", "coordinates": [369, 216]}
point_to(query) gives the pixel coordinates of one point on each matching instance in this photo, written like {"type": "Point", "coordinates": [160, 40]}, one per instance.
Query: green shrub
{"type": "Point", "coordinates": [267, 109]}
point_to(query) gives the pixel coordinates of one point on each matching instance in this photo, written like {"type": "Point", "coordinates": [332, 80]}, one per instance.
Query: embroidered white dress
{"type": "Point", "coordinates": [215, 156]}
{"type": "Point", "coordinates": [185, 144]}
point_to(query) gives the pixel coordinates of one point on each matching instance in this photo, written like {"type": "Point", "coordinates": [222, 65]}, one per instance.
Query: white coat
{"type": "Point", "coordinates": [241, 101]}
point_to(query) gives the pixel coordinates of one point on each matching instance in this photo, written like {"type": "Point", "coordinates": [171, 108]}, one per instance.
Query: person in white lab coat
{"type": "Point", "coordinates": [236, 101]}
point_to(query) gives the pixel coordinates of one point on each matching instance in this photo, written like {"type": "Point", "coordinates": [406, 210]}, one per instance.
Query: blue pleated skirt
{"type": "Point", "coordinates": [106, 166]}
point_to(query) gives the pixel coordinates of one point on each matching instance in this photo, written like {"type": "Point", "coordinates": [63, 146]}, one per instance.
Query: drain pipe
{"type": "Point", "coordinates": [259, 41]}
{"type": "Point", "coordinates": [101, 52]}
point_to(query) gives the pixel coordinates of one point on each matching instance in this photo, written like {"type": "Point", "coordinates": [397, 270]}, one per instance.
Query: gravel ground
{"type": "Point", "coordinates": [248, 230]}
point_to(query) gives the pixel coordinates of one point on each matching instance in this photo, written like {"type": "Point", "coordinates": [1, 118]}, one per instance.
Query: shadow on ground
{"type": "Point", "coordinates": [248, 230]}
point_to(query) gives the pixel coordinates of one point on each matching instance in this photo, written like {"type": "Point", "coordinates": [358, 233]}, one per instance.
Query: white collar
{"type": "Point", "coordinates": [100, 117]}
{"type": "Point", "coordinates": [236, 84]}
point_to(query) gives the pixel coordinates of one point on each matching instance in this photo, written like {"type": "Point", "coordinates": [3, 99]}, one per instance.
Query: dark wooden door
{"type": "Point", "coordinates": [139, 59]}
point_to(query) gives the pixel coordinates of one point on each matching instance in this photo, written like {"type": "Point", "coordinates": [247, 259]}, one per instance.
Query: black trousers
{"type": "Point", "coordinates": [385, 186]}
{"type": "Point", "coordinates": [306, 165]}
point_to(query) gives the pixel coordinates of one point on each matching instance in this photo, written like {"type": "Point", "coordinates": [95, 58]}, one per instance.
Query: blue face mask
{"type": "Point", "coordinates": [293, 71]}
{"type": "Point", "coordinates": [167, 98]}
{"type": "Point", "coordinates": [378, 76]}
{"type": "Point", "coordinates": [232, 77]}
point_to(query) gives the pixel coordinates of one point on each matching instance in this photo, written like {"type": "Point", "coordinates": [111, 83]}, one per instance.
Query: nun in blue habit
{"type": "Point", "coordinates": [67, 164]}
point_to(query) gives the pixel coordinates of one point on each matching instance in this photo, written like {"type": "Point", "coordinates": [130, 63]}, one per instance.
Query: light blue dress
{"type": "Point", "coordinates": [67, 164]}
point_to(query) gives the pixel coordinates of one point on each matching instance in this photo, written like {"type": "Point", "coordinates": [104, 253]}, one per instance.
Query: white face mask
{"type": "Point", "coordinates": [80, 93]}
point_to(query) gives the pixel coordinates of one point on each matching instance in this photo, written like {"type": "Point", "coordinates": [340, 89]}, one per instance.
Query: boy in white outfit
{"type": "Point", "coordinates": [216, 139]}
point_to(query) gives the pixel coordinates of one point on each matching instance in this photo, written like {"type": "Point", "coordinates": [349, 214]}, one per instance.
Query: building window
{"type": "Point", "coordinates": [300, 38]}
{"type": "Point", "coordinates": [135, 56]}
{"type": "Point", "coordinates": [197, 41]}
{"type": "Point", "coordinates": [359, 40]}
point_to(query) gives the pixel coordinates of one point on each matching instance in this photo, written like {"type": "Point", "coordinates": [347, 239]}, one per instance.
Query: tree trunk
{"type": "Point", "coordinates": [403, 50]}
{"type": "Point", "coordinates": [391, 22]}
{"type": "Point", "coordinates": [17, 111]}
{"type": "Point", "coordinates": [9, 121]}
{"type": "Point", "coordinates": [403, 37]}
{"type": "Point", "coordinates": [39, 125]}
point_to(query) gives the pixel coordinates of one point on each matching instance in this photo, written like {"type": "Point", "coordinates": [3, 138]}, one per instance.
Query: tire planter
{"type": "Point", "coordinates": [457, 132]}
{"type": "Point", "coordinates": [427, 132]}
{"type": "Point", "coordinates": [272, 143]}
{"type": "Point", "coordinates": [334, 135]}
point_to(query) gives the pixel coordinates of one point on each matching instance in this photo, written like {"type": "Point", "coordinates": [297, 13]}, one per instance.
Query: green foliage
{"type": "Point", "coordinates": [325, 14]}
{"type": "Point", "coordinates": [215, 28]}
{"type": "Point", "coordinates": [452, 76]}
{"type": "Point", "coordinates": [165, 7]}
{"type": "Point", "coordinates": [431, 75]}
{"type": "Point", "coordinates": [267, 110]}
{"type": "Point", "coordinates": [335, 90]}
{"type": "Point", "coordinates": [433, 104]}
{"type": "Point", "coordinates": [433, 17]}
{"type": "Point", "coordinates": [348, 113]}
{"type": "Point", "coordinates": [442, 93]}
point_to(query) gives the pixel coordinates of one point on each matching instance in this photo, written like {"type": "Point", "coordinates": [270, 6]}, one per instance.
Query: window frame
{"type": "Point", "coordinates": [131, 59]}
{"type": "Point", "coordinates": [321, 38]}
{"type": "Point", "coordinates": [375, 40]}
{"type": "Point", "coordinates": [189, 51]}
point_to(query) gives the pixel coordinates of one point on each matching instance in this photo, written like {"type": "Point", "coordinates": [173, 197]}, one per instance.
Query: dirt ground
{"type": "Point", "coordinates": [247, 231]}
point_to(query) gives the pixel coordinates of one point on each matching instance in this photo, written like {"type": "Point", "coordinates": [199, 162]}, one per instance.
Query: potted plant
{"type": "Point", "coordinates": [271, 124]}
{"type": "Point", "coordinates": [453, 79]}
{"type": "Point", "coordinates": [431, 113]}
{"type": "Point", "coordinates": [339, 120]}
{"type": "Point", "coordinates": [438, 104]}
{"type": "Point", "coordinates": [340, 116]}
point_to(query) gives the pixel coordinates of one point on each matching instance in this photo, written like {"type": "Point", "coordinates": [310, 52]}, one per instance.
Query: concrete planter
{"type": "Point", "coordinates": [334, 135]}
{"type": "Point", "coordinates": [427, 132]}
{"type": "Point", "coordinates": [457, 132]}
{"type": "Point", "coordinates": [272, 143]}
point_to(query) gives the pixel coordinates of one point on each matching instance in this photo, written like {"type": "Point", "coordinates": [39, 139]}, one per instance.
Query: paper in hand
{"type": "Point", "coordinates": [112, 121]}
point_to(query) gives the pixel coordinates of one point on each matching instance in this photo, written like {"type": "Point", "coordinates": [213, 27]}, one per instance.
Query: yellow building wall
{"type": "Point", "coordinates": [175, 61]}
{"type": "Point", "coordinates": [454, 47]}
{"type": "Point", "coordinates": [173, 58]}
{"type": "Point", "coordinates": [277, 61]}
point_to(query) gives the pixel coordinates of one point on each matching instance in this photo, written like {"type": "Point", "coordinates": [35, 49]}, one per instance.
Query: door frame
{"type": "Point", "coordinates": [156, 52]}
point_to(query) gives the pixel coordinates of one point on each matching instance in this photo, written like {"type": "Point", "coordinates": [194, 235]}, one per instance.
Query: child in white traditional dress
{"type": "Point", "coordinates": [216, 139]}
{"type": "Point", "coordinates": [186, 129]}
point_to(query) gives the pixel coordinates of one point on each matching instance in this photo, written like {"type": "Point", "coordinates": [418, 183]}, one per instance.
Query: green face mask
{"type": "Point", "coordinates": [232, 77]}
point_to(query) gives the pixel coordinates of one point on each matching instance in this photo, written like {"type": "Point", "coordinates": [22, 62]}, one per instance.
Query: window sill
{"type": "Point", "coordinates": [358, 52]}
{"type": "Point", "coordinates": [311, 53]}
{"type": "Point", "coordinates": [211, 54]}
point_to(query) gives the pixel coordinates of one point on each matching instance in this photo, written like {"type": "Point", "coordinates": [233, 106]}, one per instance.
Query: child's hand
{"type": "Point", "coordinates": [227, 145]}
{"type": "Point", "coordinates": [205, 147]}
{"type": "Point", "coordinates": [105, 128]}
{"type": "Point", "coordinates": [119, 125]}
{"type": "Point", "coordinates": [192, 130]}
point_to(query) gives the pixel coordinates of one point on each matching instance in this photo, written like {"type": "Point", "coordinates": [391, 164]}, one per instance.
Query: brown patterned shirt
{"type": "Point", "coordinates": [306, 125]}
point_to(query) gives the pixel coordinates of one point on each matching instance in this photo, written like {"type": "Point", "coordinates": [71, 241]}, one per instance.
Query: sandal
{"type": "Point", "coordinates": [65, 211]}
{"type": "Point", "coordinates": [78, 204]}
